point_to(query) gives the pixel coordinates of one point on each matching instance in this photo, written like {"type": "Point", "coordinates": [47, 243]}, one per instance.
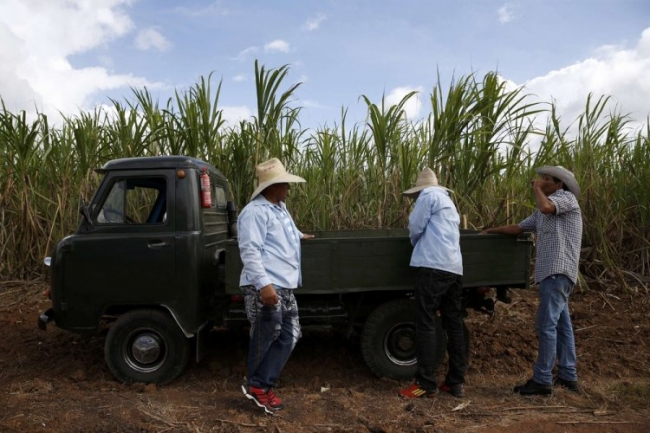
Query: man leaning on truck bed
{"type": "Point", "coordinates": [434, 229]}
{"type": "Point", "coordinates": [557, 221]}
{"type": "Point", "coordinates": [269, 244]}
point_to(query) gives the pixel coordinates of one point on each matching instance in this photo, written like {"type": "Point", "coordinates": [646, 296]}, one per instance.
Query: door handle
{"type": "Point", "coordinates": [155, 245]}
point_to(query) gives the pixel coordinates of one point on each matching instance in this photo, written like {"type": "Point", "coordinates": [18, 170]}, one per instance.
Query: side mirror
{"type": "Point", "coordinates": [85, 212]}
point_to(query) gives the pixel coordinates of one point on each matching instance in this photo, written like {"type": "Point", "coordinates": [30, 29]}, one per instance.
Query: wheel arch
{"type": "Point", "coordinates": [114, 311]}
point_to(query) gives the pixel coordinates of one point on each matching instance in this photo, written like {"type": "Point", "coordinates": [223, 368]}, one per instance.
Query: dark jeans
{"type": "Point", "coordinates": [275, 330]}
{"type": "Point", "coordinates": [439, 290]}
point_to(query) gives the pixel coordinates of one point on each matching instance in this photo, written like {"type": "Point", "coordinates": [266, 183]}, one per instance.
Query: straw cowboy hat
{"type": "Point", "coordinates": [563, 174]}
{"type": "Point", "coordinates": [426, 179]}
{"type": "Point", "coordinates": [271, 172]}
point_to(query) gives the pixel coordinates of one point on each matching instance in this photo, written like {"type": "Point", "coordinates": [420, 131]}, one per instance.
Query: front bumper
{"type": "Point", "coordinates": [45, 318]}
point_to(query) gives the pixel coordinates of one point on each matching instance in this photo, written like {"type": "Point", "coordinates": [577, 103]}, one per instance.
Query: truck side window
{"type": "Point", "coordinates": [135, 200]}
{"type": "Point", "coordinates": [220, 196]}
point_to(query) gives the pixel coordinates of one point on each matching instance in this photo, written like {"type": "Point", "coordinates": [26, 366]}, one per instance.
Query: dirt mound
{"type": "Point", "coordinates": [57, 381]}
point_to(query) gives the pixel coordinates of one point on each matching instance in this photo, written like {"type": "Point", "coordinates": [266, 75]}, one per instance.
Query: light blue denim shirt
{"type": "Point", "coordinates": [434, 228]}
{"type": "Point", "coordinates": [269, 245]}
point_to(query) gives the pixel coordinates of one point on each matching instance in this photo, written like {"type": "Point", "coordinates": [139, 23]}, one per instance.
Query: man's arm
{"type": "Point", "coordinates": [419, 219]}
{"type": "Point", "coordinates": [504, 230]}
{"type": "Point", "coordinates": [251, 235]}
{"type": "Point", "coordinates": [252, 232]}
{"type": "Point", "coordinates": [545, 206]}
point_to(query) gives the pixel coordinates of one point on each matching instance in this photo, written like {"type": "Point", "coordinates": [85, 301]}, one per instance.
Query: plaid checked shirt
{"type": "Point", "coordinates": [559, 237]}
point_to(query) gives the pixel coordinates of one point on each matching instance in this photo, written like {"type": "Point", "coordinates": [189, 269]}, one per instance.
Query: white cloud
{"type": "Point", "coordinates": [413, 106]}
{"type": "Point", "coordinates": [64, 27]}
{"type": "Point", "coordinates": [15, 90]}
{"type": "Point", "coordinates": [240, 78]}
{"type": "Point", "coordinates": [621, 72]}
{"type": "Point", "coordinates": [277, 45]}
{"type": "Point", "coordinates": [505, 14]}
{"type": "Point", "coordinates": [233, 115]}
{"type": "Point", "coordinates": [308, 103]}
{"type": "Point", "coordinates": [151, 38]}
{"type": "Point", "coordinates": [244, 54]}
{"type": "Point", "coordinates": [37, 37]}
{"type": "Point", "coordinates": [313, 23]}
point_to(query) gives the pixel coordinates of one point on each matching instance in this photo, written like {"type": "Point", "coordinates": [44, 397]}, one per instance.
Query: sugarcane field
{"type": "Point", "coordinates": [481, 143]}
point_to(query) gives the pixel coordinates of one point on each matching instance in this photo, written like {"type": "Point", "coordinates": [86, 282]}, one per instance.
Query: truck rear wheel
{"type": "Point", "coordinates": [146, 346]}
{"type": "Point", "coordinates": [388, 340]}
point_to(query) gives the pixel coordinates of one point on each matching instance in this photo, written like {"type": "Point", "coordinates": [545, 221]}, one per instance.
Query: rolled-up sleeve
{"type": "Point", "coordinates": [530, 224]}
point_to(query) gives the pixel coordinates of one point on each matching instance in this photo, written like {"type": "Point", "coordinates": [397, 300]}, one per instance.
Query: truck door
{"type": "Point", "coordinates": [127, 255]}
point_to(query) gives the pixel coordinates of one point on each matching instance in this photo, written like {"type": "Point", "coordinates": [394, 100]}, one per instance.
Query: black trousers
{"type": "Point", "coordinates": [439, 290]}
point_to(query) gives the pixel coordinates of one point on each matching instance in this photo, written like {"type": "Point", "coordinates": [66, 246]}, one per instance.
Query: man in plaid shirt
{"type": "Point", "coordinates": [557, 221]}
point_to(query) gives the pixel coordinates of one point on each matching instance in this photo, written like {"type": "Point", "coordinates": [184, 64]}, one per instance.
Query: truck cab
{"type": "Point", "coordinates": [150, 241]}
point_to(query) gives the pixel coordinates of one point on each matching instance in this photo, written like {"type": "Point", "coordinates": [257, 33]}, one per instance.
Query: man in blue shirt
{"type": "Point", "coordinates": [435, 235]}
{"type": "Point", "coordinates": [269, 244]}
{"type": "Point", "coordinates": [557, 222]}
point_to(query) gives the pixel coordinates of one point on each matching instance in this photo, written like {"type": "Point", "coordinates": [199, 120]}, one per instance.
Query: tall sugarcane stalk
{"type": "Point", "coordinates": [482, 139]}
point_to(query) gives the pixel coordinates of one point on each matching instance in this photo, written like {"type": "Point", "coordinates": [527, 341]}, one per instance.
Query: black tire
{"type": "Point", "coordinates": [167, 348]}
{"type": "Point", "coordinates": [388, 340]}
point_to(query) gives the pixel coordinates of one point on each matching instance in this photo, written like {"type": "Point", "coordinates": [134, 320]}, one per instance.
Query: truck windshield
{"type": "Point", "coordinates": [112, 211]}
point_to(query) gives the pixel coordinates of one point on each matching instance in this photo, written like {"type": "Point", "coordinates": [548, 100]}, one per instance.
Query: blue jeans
{"type": "Point", "coordinates": [555, 331]}
{"type": "Point", "coordinates": [274, 332]}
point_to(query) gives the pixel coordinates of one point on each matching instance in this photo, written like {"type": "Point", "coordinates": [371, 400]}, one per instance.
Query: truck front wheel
{"type": "Point", "coordinates": [388, 340]}
{"type": "Point", "coordinates": [146, 346]}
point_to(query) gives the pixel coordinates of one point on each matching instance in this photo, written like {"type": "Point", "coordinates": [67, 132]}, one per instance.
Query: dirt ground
{"type": "Point", "coordinates": [58, 382]}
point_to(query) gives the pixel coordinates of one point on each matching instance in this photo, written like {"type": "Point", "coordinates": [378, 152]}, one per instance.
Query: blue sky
{"type": "Point", "coordinates": [69, 55]}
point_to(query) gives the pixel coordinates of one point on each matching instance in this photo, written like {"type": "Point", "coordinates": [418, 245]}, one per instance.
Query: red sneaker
{"type": "Point", "coordinates": [266, 400]}
{"type": "Point", "coordinates": [416, 391]}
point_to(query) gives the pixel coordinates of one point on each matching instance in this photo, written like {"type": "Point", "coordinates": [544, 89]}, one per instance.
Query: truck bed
{"type": "Point", "coordinates": [351, 261]}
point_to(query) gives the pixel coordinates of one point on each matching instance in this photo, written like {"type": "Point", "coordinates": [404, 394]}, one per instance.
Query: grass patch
{"type": "Point", "coordinates": [635, 394]}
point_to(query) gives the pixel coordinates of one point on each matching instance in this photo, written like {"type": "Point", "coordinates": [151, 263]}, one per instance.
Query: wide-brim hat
{"type": "Point", "coordinates": [559, 172]}
{"type": "Point", "coordinates": [271, 172]}
{"type": "Point", "coordinates": [427, 178]}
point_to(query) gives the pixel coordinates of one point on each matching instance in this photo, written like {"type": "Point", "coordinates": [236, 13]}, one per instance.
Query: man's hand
{"type": "Point", "coordinates": [307, 237]}
{"type": "Point", "coordinates": [537, 183]}
{"type": "Point", "coordinates": [269, 295]}
{"type": "Point", "coordinates": [542, 189]}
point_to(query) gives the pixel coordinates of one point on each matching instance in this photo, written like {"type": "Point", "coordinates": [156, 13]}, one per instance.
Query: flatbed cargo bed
{"type": "Point", "coordinates": [350, 261]}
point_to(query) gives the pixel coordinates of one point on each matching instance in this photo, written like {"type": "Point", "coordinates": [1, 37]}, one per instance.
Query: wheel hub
{"type": "Point", "coordinates": [399, 345]}
{"type": "Point", "coordinates": [146, 349]}
{"type": "Point", "coordinates": [405, 342]}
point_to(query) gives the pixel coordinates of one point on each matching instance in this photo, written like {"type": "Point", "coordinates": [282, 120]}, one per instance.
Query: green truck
{"type": "Point", "coordinates": [155, 262]}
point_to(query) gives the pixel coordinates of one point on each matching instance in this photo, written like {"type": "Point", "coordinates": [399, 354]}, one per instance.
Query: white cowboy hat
{"type": "Point", "coordinates": [426, 179]}
{"type": "Point", "coordinates": [271, 172]}
{"type": "Point", "coordinates": [563, 174]}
